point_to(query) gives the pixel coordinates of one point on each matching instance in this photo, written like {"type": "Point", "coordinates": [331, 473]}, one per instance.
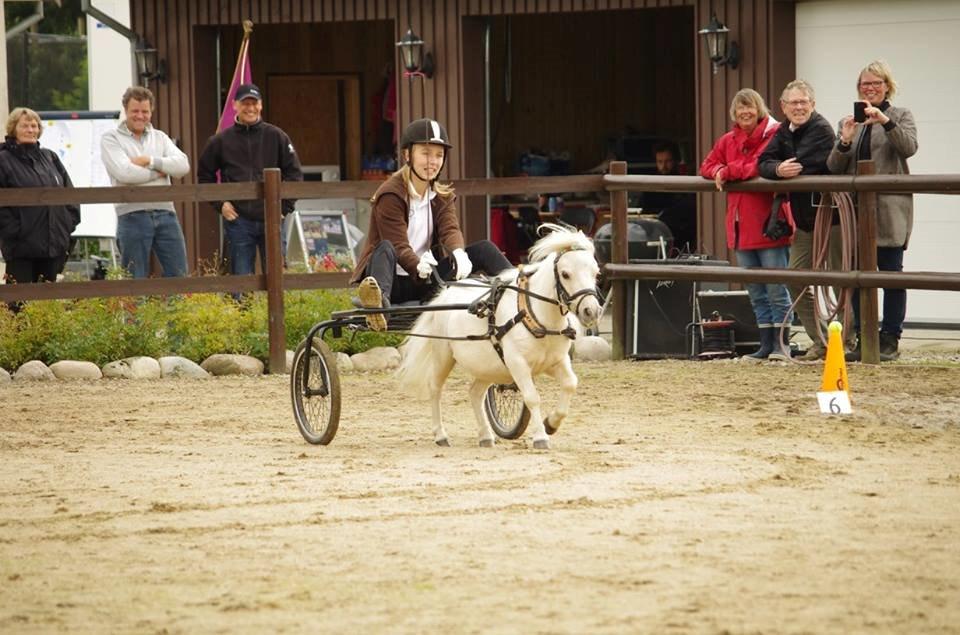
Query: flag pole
{"type": "Point", "coordinates": [241, 75]}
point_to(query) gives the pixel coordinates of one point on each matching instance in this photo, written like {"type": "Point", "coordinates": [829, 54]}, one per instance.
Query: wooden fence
{"type": "Point", "coordinates": [617, 183]}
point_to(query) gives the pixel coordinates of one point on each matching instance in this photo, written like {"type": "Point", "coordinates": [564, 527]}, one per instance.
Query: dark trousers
{"type": "Point", "coordinates": [485, 256]}
{"type": "Point", "coordinates": [26, 270]}
{"type": "Point", "coordinates": [894, 300]}
{"type": "Point", "coordinates": [35, 269]}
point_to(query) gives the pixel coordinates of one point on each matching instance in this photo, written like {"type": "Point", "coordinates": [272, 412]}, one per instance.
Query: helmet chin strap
{"type": "Point", "coordinates": [427, 181]}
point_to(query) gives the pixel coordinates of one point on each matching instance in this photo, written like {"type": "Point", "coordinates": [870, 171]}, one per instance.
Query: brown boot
{"type": "Point", "coordinates": [816, 352]}
{"type": "Point", "coordinates": [372, 298]}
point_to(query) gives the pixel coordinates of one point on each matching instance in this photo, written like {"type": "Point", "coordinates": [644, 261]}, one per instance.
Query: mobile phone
{"type": "Point", "coordinates": [859, 112]}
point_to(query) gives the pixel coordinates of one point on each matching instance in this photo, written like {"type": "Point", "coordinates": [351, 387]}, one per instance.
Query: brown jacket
{"type": "Point", "coordinates": [389, 220]}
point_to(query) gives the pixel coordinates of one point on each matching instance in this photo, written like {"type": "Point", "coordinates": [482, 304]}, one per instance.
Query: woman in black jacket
{"type": "Point", "coordinates": [35, 240]}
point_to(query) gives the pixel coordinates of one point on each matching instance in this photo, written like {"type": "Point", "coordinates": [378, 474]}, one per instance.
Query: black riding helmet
{"type": "Point", "coordinates": [427, 131]}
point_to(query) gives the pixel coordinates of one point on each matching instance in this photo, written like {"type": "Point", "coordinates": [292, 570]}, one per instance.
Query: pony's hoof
{"type": "Point", "coordinates": [443, 443]}
{"type": "Point", "coordinates": [541, 444]}
{"type": "Point", "coordinates": [549, 428]}
{"type": "Point", "coordinates": [486, 443]}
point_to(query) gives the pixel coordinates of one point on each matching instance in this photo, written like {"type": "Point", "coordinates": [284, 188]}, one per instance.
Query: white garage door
{"type": "Point", "coordinates": [921, 42]}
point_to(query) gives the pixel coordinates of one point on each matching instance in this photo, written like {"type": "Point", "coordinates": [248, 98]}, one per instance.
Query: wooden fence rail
{"type": "Point", "coordinates": [617, 184]}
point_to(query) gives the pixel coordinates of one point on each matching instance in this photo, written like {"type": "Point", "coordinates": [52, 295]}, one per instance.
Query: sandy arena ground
{"type": "Point", "coordinates": [680, 497]}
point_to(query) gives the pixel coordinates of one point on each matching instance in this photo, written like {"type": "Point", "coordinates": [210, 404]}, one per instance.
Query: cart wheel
{"type": "Point", "coordinates": [316, 399]}
{"type": "Point", "coordinates": [507, 413]}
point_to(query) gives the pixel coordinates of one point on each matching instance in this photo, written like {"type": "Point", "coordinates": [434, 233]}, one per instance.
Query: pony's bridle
{"type": "Point", "coordinates": [566, 298]}
{"type": "Point", "coordinates": [528, 318]}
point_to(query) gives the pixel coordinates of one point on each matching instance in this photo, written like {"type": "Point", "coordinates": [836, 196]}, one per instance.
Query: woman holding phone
{"type": "Point", "coordinates": [887, 136]}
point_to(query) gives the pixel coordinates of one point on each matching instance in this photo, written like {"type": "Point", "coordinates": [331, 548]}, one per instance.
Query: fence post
{"type": "Point", "coordinates": [867, 257]}
{"type": "Point", "coordinates": [274, 273]}
{"type": "Point", "coordinates": [619, 251]}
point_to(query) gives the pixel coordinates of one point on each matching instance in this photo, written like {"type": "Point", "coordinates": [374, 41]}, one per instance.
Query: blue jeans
{"type": "Point", "coordinates": [894, 300]}
{"type": "Point", "coordinates": [770, 301]}
{"type": "Point", "coordinates": [152, 229]}
{"type": "Point", "coordinates": [246, 237]}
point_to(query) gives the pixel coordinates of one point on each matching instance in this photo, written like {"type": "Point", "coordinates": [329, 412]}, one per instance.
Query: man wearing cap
{"type": "Point", "coordinates": [240, 153]}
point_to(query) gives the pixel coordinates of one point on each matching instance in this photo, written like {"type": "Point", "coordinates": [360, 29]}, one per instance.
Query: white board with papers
{"type": "Point", "coordinates": [75, 137]}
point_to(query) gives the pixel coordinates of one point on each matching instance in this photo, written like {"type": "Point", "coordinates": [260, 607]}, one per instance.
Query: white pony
{"type": "Point", "coordinates": [560, 288]}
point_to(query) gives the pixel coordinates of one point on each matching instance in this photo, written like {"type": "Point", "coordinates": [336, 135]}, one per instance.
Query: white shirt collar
{"type": "Point", "coordinates": [416, 198]}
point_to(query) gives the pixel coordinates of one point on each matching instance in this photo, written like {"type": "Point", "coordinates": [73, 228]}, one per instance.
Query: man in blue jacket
{"type": "Point", "coordinates": [240, 153]}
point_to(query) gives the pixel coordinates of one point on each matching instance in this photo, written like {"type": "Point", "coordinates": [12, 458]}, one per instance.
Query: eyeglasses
{"type": "Point", "coordinates": [871, 84]}
{"type": "Point", "coordinates": [798, 103]}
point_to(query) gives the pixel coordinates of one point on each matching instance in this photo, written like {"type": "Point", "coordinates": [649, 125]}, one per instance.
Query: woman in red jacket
{"type": "Point", "coordinates": [734, 158]}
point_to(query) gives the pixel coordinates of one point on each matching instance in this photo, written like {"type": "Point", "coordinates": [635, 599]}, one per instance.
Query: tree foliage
{"type": "Point", "coordinates": [47, 65]}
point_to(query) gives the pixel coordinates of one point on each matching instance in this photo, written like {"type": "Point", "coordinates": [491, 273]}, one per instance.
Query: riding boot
{"type": "Point", "coordinates": [889, 347]}
{"type": "Point", "coordinates": [781, 344]}
{"type": "Point", "coordinates": [372, 298]}
{"type": "Point", "coordinates": [766, 345]}
{"type": "Point", "coordinates": [854, 355]}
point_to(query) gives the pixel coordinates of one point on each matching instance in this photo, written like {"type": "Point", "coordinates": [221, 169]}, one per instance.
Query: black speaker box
{"type": "Point", "coordinates": [660, 313]}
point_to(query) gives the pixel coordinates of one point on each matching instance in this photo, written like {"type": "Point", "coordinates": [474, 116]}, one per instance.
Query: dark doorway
{"type": "Point", "coordinates": [567, 92]}
{"type": "Point", "coordinates": [579, 87]}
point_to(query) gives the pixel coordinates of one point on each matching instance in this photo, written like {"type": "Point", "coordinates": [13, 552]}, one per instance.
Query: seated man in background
{"type": "Point", "coordinates": [678, 210]}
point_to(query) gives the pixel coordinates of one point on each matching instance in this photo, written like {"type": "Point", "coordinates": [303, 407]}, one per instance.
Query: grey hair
{"type": "Point", "coordinates": [799, 84]}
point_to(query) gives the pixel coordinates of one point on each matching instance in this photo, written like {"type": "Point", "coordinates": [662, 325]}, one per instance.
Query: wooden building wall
{"type": "Point", "coordinates": [763, 28]}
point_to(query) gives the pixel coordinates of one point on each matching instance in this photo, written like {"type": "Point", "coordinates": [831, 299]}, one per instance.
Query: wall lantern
{"type": "Point", "coordinates": [718, 50]}
{"type": "Point", "coordinates": [149, 64]}
{"type": "Point", "coordinates": [415, 61]}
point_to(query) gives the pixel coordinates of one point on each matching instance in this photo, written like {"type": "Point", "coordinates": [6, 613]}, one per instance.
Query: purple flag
{"type": "Point", "coordinates": [241, 75]}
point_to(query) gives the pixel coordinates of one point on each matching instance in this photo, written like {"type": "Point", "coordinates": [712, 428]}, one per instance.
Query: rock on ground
{"type": "Point", "coordinates": [133, 368]}
{"type": "Point", "coordinates": [70, 369]}
{"type": "Point", "coordinates": [173, 366]}
{"type": "Point", "coordinates": [34, 370]}
{"type": "Point", "coordinates": [227, 364]}
{"type": "Point", "coordinates": [591, 348]}
{"type": "Point", "coordinates": [377, 358]}
{"type": "Point", "coordinates": [344, 363]}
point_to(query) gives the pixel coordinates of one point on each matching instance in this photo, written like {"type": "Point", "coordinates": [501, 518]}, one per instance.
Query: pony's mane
{"type": "Point", "coordinates": [558, 239]}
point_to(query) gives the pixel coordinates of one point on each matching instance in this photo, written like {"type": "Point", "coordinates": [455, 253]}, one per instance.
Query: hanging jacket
{"type": "Point", "coordinates": [34, 232]}
{"type": "Point", "coordinates": [747, 212]}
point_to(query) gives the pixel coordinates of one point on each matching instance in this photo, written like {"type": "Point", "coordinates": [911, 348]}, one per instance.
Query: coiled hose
{"type": "Point", "coordinates": [827, 301]}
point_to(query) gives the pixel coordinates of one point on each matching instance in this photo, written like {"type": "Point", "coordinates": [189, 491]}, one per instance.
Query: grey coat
{"type": "Point", "coordinates": [889, 149]}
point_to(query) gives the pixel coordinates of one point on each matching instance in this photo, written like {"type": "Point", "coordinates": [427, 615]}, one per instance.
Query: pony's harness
{"type": "Point", "coordinates": [486, 306]}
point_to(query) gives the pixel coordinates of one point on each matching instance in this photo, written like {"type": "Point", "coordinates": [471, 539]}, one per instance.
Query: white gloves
{"type": "Point", "coordinates": [464, 266]}
{"type": "Point", "coordinates": [426, 264]}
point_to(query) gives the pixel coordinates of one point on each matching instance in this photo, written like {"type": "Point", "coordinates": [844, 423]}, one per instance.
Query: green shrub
{"type": "Point", "coordinates": [92, 329]}
{"type": "Point", "coordinates": [194, 326]}
{"type": "Point", "coordinates": [12, 346]}
{"type": "Point", "coordinates": [201, 324]}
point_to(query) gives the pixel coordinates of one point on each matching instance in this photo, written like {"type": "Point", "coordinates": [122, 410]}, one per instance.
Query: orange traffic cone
{"type": "Point", "coordinates": [835, 366]}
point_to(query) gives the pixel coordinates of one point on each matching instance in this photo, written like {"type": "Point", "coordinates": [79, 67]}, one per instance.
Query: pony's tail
{"type": "Point", "coordinates": [418, 367]}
